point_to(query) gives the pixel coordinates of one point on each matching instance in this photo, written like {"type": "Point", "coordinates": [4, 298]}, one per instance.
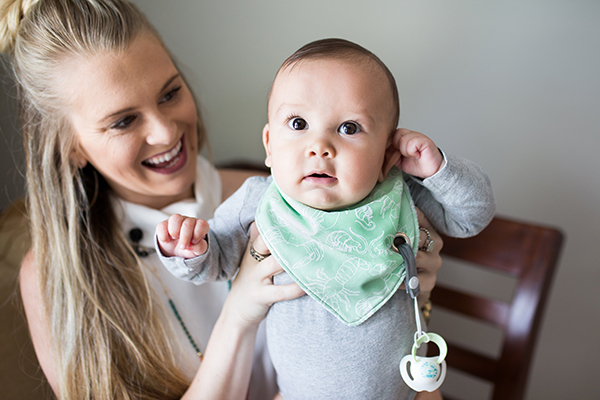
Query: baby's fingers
{"type": "Point", "coordinates": [200, 231]}
{"type": "Point", "coordinates": [198, 243]}
{"type": "Point", "coordinates": [174, 225]}
{"type": "Point", "coordinates": [401, 137]}
{"type": "Point", "coordinates": [412, 144]}
{"type": "Point", "coordinates": [162, 232]}
{"type": "Point", "coordinates": [186, 232]}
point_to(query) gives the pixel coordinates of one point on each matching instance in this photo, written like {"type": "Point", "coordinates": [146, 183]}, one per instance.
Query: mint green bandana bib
{"type": "Point", "coordinates": [344, 258]}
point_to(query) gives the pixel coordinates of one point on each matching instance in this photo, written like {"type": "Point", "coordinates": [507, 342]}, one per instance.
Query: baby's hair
{"type": "Point", "coordinates": [343, 50]}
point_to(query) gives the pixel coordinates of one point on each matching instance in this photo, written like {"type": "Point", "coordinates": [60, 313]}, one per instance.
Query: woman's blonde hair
{"type": "Point", "coordinates": [108, 339]}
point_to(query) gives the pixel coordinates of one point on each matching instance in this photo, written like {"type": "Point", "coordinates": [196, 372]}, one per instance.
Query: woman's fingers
{"type": "Point", "coordinates": [428, 267]}
{"type": "Point", "coordinates": [269, 267]}
{"type": "Point", "coordinates": [424, 223]}
{"type": "Point", "coordinates": [252, 290]}
{"type": "Point", "coordinates": [276, 293]}
{"type": "Point", "coordinates": [257, 241]}
{"type": "Point", "coordinates": [428, 262]}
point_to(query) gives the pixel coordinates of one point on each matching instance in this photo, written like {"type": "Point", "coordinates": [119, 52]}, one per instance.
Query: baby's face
{"type": "Point", "coordinates": [329, 125]}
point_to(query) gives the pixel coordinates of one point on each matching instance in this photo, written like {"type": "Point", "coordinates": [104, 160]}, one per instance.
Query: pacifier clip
{"type": "Point", "coordinates": [419, 373]}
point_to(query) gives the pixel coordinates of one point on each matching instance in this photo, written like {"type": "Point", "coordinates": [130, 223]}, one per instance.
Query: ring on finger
{"type": "Point", "coordinates": [256, 255]}
{"type": "Point", "coordinates": [429, 242]}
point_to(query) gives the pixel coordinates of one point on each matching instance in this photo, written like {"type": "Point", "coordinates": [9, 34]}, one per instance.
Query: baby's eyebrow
{"type": "Point", "coordinates": [362, 117]}
{"type": "Point", "coordinates": [287, 106]}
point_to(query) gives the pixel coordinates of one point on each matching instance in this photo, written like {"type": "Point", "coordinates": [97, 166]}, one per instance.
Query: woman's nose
{"type": "Point", "coordinates": [161, 130]}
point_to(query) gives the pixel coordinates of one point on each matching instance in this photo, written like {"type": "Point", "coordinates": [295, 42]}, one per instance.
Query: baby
{"type": "Point", "coordinates": [343, 184]}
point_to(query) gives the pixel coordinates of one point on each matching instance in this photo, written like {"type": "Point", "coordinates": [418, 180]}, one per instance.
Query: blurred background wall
{"type": "Point", "coordinates": [11, 146]}
{"type": "Point", "coordinates": [512, 85]}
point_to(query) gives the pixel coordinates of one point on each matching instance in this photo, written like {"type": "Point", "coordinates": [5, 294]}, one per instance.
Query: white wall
{"type": "Point", "coordinates": [512, 85]}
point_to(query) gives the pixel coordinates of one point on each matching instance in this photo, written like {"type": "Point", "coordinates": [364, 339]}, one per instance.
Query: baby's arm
{"type": "Point", "coordinates": [454, 193]}
{"type": "Point", "coordinates": [222, 249]}
{"type": "Point", "coordinates": [181, 236]}
{"type": "Point", "coordinates": [458, 199]}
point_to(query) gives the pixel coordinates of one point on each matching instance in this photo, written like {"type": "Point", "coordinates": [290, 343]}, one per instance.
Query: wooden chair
{"type": "Point", "coordinates": [526, 252]}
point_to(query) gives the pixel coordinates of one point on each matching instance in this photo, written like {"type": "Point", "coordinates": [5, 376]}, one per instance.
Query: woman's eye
{"type": "Point", "coordinates": [349, 128]}
{"type": "Point", "coordinates": [298, 124]}
{"type": "Point", "coordinates": [124, 122]}
{"type": "Point", "coordinates": [170, 95]}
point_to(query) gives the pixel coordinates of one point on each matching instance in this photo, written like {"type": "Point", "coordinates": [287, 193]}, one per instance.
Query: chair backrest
{"type": "Point", "coordinates": [529, 254]}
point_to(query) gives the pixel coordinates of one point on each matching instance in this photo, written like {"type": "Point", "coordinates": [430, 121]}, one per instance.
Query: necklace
{"type": "Point", "coordinates": [136, 235]}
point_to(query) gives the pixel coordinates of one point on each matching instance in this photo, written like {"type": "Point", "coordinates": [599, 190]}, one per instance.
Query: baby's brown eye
{"type": "Point", "coordinates": [349, 128]}
{"type": "Point", "coordinates": [298, 124]}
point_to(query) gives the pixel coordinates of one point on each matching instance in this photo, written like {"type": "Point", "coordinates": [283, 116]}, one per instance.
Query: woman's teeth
{"type": "Point", "coordinates": [163, 158]}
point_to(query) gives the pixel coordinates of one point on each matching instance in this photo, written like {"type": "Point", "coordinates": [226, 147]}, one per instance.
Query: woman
{"type": "Point", "coordinates": [112, 133]}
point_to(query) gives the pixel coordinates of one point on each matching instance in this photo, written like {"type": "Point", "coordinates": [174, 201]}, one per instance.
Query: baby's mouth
{"type": "Point", "coordinates": [320, 178]}
{"type": "Point", "coordinates": [167, 159]}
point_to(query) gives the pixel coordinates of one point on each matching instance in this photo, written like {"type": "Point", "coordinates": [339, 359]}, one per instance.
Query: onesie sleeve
{"type": "Point", "coordinates": [229, 231]}
{"type": "Point", "coordinates": [458, 200]}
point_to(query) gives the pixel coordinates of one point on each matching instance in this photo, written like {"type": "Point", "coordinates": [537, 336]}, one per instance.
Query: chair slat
{"type": "Point", "coordinates": [491, 311]}
{"type": "Point", "coordinates": [510, 256]}
{"type": "Point", "coordinates": [470, 362]}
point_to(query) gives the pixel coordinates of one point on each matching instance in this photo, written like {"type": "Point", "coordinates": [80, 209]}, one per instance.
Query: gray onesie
{"type": "Point", "coordinates": [317, 356]}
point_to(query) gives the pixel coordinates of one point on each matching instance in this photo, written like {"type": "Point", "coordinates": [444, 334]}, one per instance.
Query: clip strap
{"type": "Point", "coordinates": [401, 244]}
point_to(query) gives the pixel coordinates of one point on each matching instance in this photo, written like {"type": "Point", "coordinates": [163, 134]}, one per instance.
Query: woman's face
{"type": "Point", "coordinates": [135, 121]}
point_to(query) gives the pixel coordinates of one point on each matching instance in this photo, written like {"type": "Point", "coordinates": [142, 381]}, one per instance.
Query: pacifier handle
{"type": "Point", "coordinates": [431, 337]}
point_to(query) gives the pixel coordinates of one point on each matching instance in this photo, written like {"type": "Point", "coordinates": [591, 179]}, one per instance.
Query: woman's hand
{"type": "Point", "coordinates": [253, 290]}
{"type": "Point", "coordinates": [225, 371]}
{"type": "Point", "coordinates": [428, 262]}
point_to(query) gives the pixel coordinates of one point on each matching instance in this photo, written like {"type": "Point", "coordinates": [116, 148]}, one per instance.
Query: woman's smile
{"type": "Point", "coordinates": [170, 161]}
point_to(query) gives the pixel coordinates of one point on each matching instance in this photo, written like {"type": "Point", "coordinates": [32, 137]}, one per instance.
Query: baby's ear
{"type": "Point", "coordinates": [265, 137]}
{"type": "Point", "coordinates": [391, 157]}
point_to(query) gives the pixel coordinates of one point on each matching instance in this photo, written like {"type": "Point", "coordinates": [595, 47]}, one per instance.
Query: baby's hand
{"type": "Point", "coordinates": [419, 156]}
{"type": "Point", "coordinates": [182, 236]}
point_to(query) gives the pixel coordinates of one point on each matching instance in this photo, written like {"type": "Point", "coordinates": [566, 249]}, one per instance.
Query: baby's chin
{"type": "Point", "coordinates": [330, 204]}
{"type": "Point", "coordinates": [324, 198]}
